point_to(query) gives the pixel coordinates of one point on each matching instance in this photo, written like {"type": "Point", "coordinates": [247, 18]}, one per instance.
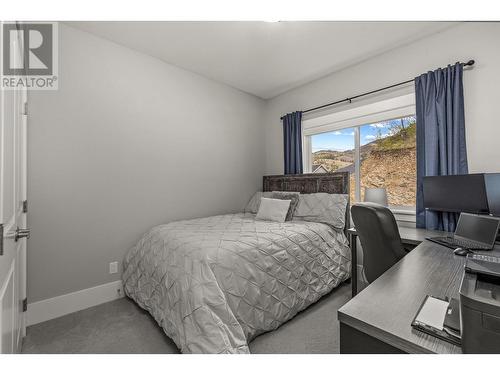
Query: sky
{"type": "Point", "coordinates": [342, 140]}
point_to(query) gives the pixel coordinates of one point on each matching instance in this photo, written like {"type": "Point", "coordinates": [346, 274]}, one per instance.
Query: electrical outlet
{"type": "Point", "coordinates": [113, 267]}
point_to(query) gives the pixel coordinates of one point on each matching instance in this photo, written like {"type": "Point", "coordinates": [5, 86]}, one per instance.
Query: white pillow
{"type": "Point", "coordinates": [273, 209]}
{"type": "Point", "coordinates": [254, 203]}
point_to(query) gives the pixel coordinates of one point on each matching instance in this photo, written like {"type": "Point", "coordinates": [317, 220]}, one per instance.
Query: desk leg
{"type": "Point", "coordinates": [353, 341]}
{"type": "Point", "coordinates": [354, 265]}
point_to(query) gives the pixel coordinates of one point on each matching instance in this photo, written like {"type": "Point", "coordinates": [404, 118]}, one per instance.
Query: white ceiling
{"type": "Point", "coordinates": [263, 58]}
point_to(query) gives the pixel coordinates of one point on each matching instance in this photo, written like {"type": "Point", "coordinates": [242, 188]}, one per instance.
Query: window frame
{"type": "Point", "coordinates": [383, 110]}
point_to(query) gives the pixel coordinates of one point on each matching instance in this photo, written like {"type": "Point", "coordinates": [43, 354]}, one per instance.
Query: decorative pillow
{"type": "Point", "coordinates": [323, 208]}
{"type": "Point", "coordinates": [254, 202]}
{"type": "Point", "coordinates": [288, 195]}
{"type": "Point", "coordinates": [273, 209]}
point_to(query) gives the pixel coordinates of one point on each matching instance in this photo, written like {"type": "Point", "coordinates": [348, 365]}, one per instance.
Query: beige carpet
{"type": "Point", "coordinates": [122, 327]}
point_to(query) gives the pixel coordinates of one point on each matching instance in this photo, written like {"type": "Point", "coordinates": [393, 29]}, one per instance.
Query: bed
{"type": "Point", "coordinates": [213, 284]}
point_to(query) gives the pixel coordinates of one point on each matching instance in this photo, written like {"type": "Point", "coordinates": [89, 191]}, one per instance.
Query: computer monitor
{"type": "Point", "coordinates": [457, 193]}
{"type": "Point", "coordinates": [492, 182]}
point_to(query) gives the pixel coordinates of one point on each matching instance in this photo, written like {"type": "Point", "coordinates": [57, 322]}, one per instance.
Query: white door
{"type": "Point", "coordinates": [13, 149]}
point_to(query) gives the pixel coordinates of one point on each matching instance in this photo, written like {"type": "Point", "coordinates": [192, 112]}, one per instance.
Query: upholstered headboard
{"type": "Point", "coordinates": [332, 183]}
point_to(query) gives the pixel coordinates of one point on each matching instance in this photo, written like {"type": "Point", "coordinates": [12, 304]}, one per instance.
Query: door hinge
{"type": "Point", "coordinates": [25, 109]}
{"type": "Point", "coordinates": [1, 239]}
{"type": "Point", "coordinates": [25, 206]}
{"type": "Point", "coordinates": [25, 305]}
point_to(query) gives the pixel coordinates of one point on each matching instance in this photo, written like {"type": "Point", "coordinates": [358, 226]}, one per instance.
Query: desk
{"type": "Point", "coordinates": [378, 319]}
{"type": "Point", "coordinates": [409, 236]}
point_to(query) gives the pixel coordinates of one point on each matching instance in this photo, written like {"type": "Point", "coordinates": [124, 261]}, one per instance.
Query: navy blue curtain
{"type": "Point", "coordinates": [292, 142]}
{"type": "Point", "coordinates": [441, 148]}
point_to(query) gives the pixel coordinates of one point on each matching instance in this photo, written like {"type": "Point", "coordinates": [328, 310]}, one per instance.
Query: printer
{"type": "Point", "coordinates": [480, 305]}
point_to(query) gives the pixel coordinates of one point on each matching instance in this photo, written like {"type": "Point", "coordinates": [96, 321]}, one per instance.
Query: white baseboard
{"type": "Point", "coordinates": [51, 308]}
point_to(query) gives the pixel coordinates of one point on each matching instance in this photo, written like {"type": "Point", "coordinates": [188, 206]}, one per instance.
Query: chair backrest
{"type": "Point", "coordinates": [379, 236]}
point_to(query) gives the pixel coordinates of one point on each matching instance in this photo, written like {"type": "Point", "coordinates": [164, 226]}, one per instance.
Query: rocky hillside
{"type": "Point", "coordinates": [396, 170]}
{"type": "Point", "coordinates": [388, 162]}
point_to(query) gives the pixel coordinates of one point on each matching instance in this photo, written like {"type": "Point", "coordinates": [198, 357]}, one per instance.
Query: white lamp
{"type": "Point", "coordinates": [376, 195]}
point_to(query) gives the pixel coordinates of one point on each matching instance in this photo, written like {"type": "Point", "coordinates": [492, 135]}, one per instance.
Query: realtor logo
{"type": "Point", "coordinates": [29, 55]}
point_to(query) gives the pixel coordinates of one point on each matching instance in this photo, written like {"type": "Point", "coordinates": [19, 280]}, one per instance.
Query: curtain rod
{"type": "Point", "coordinates": [468, 63]}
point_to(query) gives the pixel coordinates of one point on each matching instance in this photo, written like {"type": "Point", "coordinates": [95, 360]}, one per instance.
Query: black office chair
{"type": "Point", "coordinates": [379, 236]}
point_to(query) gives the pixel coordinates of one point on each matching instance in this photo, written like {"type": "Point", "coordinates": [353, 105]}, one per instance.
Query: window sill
{"type": "Point", "coordinates": [404, 214]}
{"type": "Point", "coordinates": [403, 211]}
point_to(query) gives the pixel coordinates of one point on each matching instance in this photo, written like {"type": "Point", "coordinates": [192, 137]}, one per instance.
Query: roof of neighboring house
{"type": "Point", "coordinates": [349, 168]}
{"type": "Point", "coordinates": [318, 166]}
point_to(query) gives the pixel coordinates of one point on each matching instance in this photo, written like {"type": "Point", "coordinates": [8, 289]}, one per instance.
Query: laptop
{"type": "Point", "coordinates": [474, 232]}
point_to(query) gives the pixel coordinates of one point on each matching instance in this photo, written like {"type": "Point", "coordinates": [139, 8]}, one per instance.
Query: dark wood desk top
{"type": "Point", "coordinates": [386, 308]}
{"type": "Point", "coordinates": [410, 235]}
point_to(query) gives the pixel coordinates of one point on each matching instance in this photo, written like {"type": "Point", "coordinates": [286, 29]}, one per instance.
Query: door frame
{"type": "Point", "coordinates": [14, 280]}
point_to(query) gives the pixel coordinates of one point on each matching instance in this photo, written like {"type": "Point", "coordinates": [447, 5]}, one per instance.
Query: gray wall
{"type": "Point", "coordinates": [126, 143]}
{"type": "Point", "coordinates": [479, 41]}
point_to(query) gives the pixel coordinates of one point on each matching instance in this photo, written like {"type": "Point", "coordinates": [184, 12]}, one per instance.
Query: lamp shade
{"type": "Point", "coordinates": [376, 195]}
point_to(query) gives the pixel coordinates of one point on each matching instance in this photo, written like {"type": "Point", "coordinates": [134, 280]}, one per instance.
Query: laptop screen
{"type": "Point", "coordinates": [478, 228]}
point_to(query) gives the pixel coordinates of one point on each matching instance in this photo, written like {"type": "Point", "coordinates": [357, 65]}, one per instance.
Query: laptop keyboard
{"type": "Point", "coordinates": [455, 243]}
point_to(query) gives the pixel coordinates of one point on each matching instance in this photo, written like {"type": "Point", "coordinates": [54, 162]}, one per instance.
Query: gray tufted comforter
{"type": "Point", "coordinates": [215, 283]}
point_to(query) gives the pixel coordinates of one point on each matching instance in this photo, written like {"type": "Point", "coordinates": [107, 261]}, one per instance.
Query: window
{"type": "Point", "coordinates": [334, 152]}
{"type": "Point", "coordinates": [375, 143]}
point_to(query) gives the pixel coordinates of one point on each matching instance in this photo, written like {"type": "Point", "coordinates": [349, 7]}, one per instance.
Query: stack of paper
{"type": "Point", "coordinates": [433, 312]}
